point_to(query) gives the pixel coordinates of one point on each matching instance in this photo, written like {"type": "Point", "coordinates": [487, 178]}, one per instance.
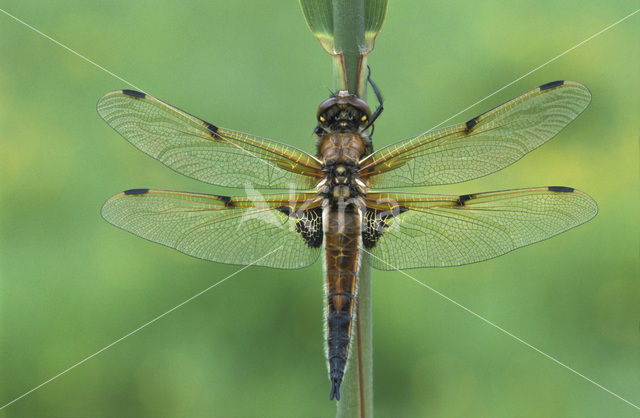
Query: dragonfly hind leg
{"type": "Point", "coordinates": [380, 107]}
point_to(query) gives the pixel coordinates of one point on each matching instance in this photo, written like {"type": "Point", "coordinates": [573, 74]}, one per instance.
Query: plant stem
{"type": "Point", "coordinates": [357, 386]}
{"type": "Point", "coordinates": [348, 32]}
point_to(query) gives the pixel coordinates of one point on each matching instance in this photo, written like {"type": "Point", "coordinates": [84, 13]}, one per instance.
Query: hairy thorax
{"type": "Point", "coordinates": [345, 147]}
{"type": "Point", "coordinates": [341, 153]}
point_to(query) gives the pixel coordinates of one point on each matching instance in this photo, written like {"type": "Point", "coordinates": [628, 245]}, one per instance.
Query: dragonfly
{"type": "Point", "coordinates": [338, 201]}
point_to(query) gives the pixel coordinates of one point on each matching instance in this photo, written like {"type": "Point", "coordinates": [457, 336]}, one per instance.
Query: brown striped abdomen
{"type": "Point", "coordinates": [342, 240]}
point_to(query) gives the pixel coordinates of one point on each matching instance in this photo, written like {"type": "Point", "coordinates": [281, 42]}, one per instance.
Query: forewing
{"type": "Point", "coordinates": [419, 230]}
{"type": "Point", "coordinates": [482, 145]}
{"type": "Point", "coordinates": [203, 151]}
{"type": "Point", "coordinates": [233, 230]}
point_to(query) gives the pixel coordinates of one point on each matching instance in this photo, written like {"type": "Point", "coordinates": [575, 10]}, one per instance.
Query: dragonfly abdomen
{"type": "Point", "coordinates": [342, 239]}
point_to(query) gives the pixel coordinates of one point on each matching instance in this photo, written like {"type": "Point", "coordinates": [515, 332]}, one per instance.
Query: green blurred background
{"type": "Point", "coordinates": [71, 284]}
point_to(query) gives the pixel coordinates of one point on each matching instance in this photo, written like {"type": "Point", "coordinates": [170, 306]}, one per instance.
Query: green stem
{"type": "Point", "coordinates": [347, 29]}
{"type": "Point", "coordinates": [348, 32]}
{"type": "Point", "coordinates": [357, 387]}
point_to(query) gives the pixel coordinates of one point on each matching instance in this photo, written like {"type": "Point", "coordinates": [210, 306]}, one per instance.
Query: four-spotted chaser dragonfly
{"type": "Point", "coordinates": [337, 198]}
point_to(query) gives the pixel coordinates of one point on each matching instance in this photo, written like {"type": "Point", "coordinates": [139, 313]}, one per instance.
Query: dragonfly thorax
{"type": "Point", "coordinates": [341, 185]}
{"type": "Point", "coordinates": [341, 153]}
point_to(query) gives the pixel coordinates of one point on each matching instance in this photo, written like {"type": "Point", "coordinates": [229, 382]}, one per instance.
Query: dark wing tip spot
{"type": "Point", "coordinates": [136, 191]}
{"type": "Point", "coordinates": [470, 124]}
{"type": "Point", "coordinates": [134, 93]}
{"type": "Point", "coordinates": [464, 198]}
{"type": "Point", "coordinates": [212, 128]}
{"type": "Point", "coordinates": [551, 85]}
{"type": "Point", "coordinates": [561, 189]}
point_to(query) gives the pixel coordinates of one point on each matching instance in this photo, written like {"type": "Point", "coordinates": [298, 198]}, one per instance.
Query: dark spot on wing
{"type": "Point", "coordinates": [464, 198]}
{"type": "Point", "coordinates": [308, 225]}
{"type": "Point", "coordinates": [551, 85]}
{"type": "Point", "coordinates": [561, 189]}
{"type": "Point", "coordinates": [376, 223]}
{"type": "Point", "coordinates": [136, 191]}
{"type": "Point", "coordinates": [212, 128]}
{"type": "Point", "coordinates": [470, 124]}
{"type": "Point", "coordinates": [134, 93]}
{"type": "Point", "coordinates": [285, 209]}
{"type": "Point", "coordinates": [226, 200]}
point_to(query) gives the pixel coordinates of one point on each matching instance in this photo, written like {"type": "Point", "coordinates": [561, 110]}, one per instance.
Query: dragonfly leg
{"type": "Point", "coordinates": [380, 107]}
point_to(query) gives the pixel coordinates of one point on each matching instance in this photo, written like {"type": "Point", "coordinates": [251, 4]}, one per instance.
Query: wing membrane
{"type": "Point", "coordinates": [203, 151]}
{"type": "Point", "coordinates": [232, 230]}
{"type": "Point", "coordinates": [482, 145]}
{"type": "Point", "coordinates": [420, 230]}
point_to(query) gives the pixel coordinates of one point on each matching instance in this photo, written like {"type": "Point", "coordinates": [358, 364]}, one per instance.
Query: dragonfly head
{"type": "Point", "coordinates": [343, 112]}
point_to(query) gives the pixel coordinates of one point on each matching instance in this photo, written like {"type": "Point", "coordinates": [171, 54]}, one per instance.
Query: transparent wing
{"type": "Point", "coordinates": [203, 151]}
{"type": "Point", "coordinates": [232, 230]}
{"type": "Point", "coordinates": [419, 230]}
{"type": "Point", "coordinates": [485, 144]}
